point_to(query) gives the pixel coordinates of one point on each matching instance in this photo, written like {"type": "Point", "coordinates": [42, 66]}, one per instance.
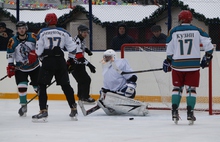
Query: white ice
{"type": "Point", "coordinates": [98, 127]}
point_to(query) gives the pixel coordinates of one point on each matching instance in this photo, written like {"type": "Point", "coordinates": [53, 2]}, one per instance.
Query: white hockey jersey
{"type": "Point", "coordinates": [18, 51]}
{"type": "Point", "coordinates": [80, 47]}
{"type": "Point", "coordinates": [113, 80]}
{"type": "Point", "coordinates": [183, 47]}
{"type": "Point", "coordinates": [48, 38]}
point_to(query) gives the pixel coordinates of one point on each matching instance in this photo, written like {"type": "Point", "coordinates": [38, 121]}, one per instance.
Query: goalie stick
{"type": "Point", "coordinates": [20, 111]}
{"type": "Point", "coordinates": [130, 72]}
{"type": "Point", "coordinates": [89, 111]}
{"type": "Point", "coordinates": [141, 71]}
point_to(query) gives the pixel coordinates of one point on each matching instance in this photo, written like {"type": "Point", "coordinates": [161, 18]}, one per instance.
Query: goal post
{"type": "Point", "coordinates": [156, 87]}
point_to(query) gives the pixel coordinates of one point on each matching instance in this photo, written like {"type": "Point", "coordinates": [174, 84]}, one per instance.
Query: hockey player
{"type": "Point", "coordinates": [76, 65]}
{"type": "Point", "coordinates": [119, 90]}
{"type": "Point", "coordinates": [183, 56]}
{"type": "Point", "coordinates": [23, 62]}
{"type": "Point", "coordinates": [50, 42]}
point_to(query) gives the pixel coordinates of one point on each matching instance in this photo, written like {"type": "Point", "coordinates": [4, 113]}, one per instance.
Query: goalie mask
{"type": "Point", "coordinates": [109, 55]}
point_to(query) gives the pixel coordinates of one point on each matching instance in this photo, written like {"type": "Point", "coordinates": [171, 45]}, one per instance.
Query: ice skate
{"type": "Point", "coordinates": [41, 117]}
{"type": "Point", "coordinates": [22, 111]}
{"type": "Point", "coordinates": [89, 101]}
{"type": "Point", "coordinates": [190, 116]}
{"type": "Point", "coordinates": [73, 114]}
{"type": "Point", "coordinates": [175, 114]}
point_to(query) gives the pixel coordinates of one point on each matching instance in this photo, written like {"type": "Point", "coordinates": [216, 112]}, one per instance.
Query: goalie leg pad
{"type": "Point", "coordinates": [124, 105]}
{"type": "Point", "coordinates": [108, 111]}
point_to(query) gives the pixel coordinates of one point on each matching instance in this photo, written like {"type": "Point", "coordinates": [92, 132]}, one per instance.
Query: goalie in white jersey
{"type": "Point", "coordinates": [119, 90]}
{"type": "Point", "coordinates": [183, 56]}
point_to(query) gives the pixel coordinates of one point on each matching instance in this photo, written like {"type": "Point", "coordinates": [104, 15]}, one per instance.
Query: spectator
{"type": "Point", "coordinates": [121, 38]}
{"type": "Point", "coordinates": [5, 35]}
{"type": "Point", "coordinates": [158, 37]}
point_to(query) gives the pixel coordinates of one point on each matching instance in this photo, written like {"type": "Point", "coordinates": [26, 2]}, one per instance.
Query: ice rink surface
{"type": "Point", "coordinates": [98, 127]}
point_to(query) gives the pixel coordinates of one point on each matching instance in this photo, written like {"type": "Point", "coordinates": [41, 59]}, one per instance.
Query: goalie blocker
{"type": "Point", "coordinates": [114, 104]}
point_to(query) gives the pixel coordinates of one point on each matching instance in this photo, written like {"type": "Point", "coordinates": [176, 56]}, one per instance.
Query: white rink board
{"type": "Point", "coordinates": [136, 61]}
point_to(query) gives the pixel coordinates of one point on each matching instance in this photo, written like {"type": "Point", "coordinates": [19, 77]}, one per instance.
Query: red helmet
{"type": "Point", "coordinates": [185, 16]}
{"type": "Point", "coordinates": [51, 19]}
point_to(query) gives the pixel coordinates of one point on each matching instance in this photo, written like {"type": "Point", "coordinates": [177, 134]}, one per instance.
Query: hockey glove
{"type": "Point", "coordinates": [91, 67]}
{"type": "Point", "coordinates": [88, 52]}
{"type": "Point", "coordinates": [81, 61]}
{"type": "Point", "coordinates": [10, 70]}
{"type": "Point", "coordinates": [206, 60]}
{"type": "Point", "coordinates": [70, 65]}
{"type": "Point", "coordinates": [166, 66]}
{"type": "Point", "coordinates": [32, 57]}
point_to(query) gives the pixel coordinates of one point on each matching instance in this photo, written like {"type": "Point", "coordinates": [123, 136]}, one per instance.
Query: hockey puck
{"type": "Point", "coordinates": [131, 118]}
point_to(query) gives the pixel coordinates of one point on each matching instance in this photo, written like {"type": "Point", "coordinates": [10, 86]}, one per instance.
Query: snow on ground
{"type": "Point", "coordinates": [98, 127]}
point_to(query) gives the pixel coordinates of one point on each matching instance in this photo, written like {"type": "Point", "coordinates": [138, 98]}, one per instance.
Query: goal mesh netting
{"type": "Point", "coordinates": [155, 87]}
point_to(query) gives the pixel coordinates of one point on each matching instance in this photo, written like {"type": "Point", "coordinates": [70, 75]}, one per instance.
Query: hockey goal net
{"type": "Point", "coordinates": [155, 87]}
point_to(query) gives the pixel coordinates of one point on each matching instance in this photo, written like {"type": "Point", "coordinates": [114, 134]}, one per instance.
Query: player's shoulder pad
{"type": "Point", "coordinates": [202, 29]}
{"type": "Point", "coordinates": [63, 30]}
{"type": "Point", "coordinates": [31, 37]}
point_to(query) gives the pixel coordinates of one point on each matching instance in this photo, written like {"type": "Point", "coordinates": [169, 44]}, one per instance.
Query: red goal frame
{"type": "Point", "coordinates": [210, 101]}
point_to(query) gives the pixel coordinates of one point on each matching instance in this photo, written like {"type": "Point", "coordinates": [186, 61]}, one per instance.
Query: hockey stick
{"type": "Point", "coordinates": [130, 72]}
{"type": "Point", "coordinates": [3, 77]}
{"type": "Point", "coordinates": [141, 71]}
{"type": "Point", "coordinates": [89, 111]}
{"type": "Point", "coordinates": [20, 111]}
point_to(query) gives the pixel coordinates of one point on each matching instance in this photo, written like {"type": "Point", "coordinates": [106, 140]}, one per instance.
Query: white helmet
{"type": "Point", "coordinates": [109, 55]}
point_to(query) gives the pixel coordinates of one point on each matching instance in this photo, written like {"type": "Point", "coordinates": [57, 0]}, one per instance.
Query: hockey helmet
{"type": "Point", "coordinates": [185, 16]}
{"type": "Point", "coordinates": [82, 28]}
{"type": "Point", "coordinates": [21, 24]}
{"type": "Point", "coordinates": [109, 55]}
{"type": "Point", "coordinates": [51, 19]}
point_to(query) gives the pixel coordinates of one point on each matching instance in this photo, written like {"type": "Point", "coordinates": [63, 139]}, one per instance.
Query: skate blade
{"type": "Point", "coordinates": [23, 115]}
{"type": "Point", "coordinates": [74, 118]}
{"type": "Point", "coordinates": [175, 120]}
{"type": "Point", "coordinates": [88, 103]}
{"type": "Point", "coordinates": [191, 122]}
{"type": "Point", "coordinates": [41, 120]}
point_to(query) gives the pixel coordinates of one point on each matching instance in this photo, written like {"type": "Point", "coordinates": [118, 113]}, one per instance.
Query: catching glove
{"type": "Point", "coordinates": [130, 90]}
{"type": "Point", "coordinates": [10, 70]}
{"type": "Point", "coordinates": [32, 57]}
{"type": "Point", "coordinates": [91, 67]}
{"type": "Point", "coordinates": [88, 52]}
{"type": "Point", "coordinates": [206, 60]}
{"type": "Point", "coordinates": [166, 66]}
